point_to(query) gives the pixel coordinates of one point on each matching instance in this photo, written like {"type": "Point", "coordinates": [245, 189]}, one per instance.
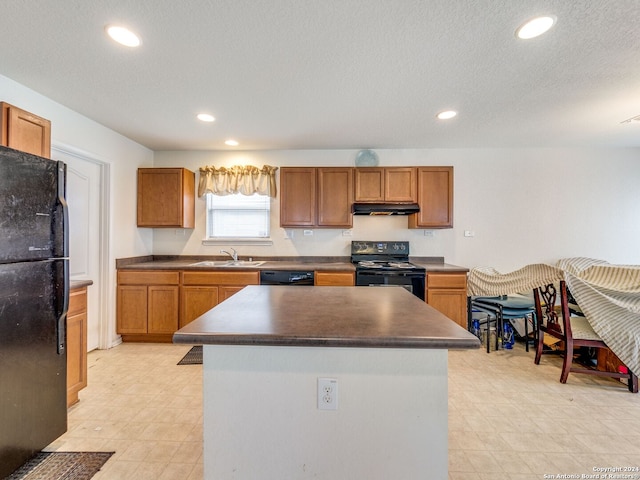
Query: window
{"type": "Point", "coordinates": [238, 216]}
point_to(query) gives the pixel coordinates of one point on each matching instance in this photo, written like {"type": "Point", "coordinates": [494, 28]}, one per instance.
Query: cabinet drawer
{"type": "Point", "coordinates": [220, 278]}
{"type": "Point", "coordinates": [148, 278]}
{"type": "Point", "coordinates": [77, 301]}
{"type": "Point", "coordinates": [335, 279]}
{"type": "Point", "coordinates": [447, 280]}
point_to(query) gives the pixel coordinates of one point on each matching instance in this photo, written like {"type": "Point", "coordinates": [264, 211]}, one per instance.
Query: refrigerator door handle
{"type": "Point", "coordinates": [62, 194]}
{"type": "Point", "coordinates": [62, 315]}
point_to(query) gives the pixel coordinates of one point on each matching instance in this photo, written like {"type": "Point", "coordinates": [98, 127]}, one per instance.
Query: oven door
{"type": "Point", "coordinates": [412, 281]}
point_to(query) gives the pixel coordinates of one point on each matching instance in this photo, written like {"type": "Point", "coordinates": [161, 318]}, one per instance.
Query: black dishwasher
{"type": "Point", "coordinates": [286, 277]}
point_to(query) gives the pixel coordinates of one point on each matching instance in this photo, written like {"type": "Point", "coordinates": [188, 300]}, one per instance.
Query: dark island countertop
{"type": "Point", "coordinates": [325, 264]}
{"type": "Point", "coordinates": [326, 317]}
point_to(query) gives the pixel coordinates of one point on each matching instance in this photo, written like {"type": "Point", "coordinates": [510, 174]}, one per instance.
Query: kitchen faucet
{"type": "Point", "coordinates": [233, 255]}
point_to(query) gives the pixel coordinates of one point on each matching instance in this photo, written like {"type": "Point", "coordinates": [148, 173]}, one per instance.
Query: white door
{"type": "Point", "coordinates": [86, 203]}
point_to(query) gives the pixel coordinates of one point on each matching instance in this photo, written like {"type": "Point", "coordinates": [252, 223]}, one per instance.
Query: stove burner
{"type": "Point", "coordinates": [401, 265]}
{"type": "Point", "coordinates": [388, 265]}
{"type": "Point", "coordinates": [370, 264]}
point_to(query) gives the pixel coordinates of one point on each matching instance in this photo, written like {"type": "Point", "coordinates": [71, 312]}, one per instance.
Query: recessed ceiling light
{"type": "Point", "coordinates": [205, 117]}
{"type": "Point", "coordinates": [232, 143]}
{"type": "Point", "coordinates": [535, 27]}
{"type": "Point", "coordinates": [447, 114]}
{"type": "Point", "coordinates": [123, 36]}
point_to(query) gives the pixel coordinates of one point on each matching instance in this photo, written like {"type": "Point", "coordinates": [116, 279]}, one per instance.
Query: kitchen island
{"type": "Point", "coordinates": [265, 349]}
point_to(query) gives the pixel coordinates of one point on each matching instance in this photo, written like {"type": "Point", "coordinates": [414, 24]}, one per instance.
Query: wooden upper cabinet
{"type": "Point", "coordinates": [369, 184]}
{"type": "Point", "coordinates": [25, 131]}
{"type": "Point", "coordinates": [435, 197]}
{"type": "Point", "coordinates": [316, 197]}
{"type": "Point", "coordinates": [166, 197]}
{"type": "Point", "coordinates": [297, 197]}
{"type": "Point", "coordinates": [335, 196]}
{"type": "Point", "coordinates": [390, 184]}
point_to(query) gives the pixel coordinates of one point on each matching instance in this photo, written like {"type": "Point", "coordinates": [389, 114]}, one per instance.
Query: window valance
{"type": "Point", "coordinates": [244, 179]}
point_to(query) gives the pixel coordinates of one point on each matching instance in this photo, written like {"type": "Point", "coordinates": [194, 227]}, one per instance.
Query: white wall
{"type": "Point", "coordinates": [122, 156]}
{"type": "Point", "coordinates": [524, 205]}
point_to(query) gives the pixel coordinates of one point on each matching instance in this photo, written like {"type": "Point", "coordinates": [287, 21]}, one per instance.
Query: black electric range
{"type": "Point", "coordinates": [386, 264]}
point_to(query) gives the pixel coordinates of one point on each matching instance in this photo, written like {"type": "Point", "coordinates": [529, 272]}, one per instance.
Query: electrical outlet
{"type": "Point", "coordinates": [327, 393]}
{"type": "Point", "coordinates": [306, 233]}
{"type": "Point", "coordinates": [429, 233]}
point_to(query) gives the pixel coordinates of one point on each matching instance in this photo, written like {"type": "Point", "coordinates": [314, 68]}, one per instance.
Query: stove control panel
{"type": "Point", "coordinates": [379, 248]}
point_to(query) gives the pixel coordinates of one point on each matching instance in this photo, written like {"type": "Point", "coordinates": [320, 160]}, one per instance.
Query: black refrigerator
{"type": "Point", "coordinates": [34, 296]}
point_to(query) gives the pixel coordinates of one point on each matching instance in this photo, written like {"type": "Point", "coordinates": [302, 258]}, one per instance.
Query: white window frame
{"type": "Point", "coordinates": [210, 239]}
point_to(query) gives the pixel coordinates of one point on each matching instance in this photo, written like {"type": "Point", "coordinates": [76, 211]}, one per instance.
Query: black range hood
{"type": "Point", "coordinates": [385, 208]}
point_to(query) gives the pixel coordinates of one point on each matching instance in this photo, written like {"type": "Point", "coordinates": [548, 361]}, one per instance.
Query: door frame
{"type": "Point", "coordinates": [105, 312]}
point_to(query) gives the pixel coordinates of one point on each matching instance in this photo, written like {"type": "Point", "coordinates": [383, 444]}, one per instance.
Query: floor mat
{"type": "Point", "coordinates": [61, 466]}
{"type": "Point", "coordinates": [193, 356]}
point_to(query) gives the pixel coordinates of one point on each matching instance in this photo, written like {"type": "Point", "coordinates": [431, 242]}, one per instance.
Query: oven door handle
{"type": "Point", "coordinates": [394, 273]}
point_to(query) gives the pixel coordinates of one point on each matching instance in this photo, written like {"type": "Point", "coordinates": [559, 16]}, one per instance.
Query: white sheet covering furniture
{"type": "Point", "coordinates": [609, 296]}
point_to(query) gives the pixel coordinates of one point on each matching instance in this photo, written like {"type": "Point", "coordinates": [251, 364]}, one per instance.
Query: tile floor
{"type": "Point", "coordinates": [508, 418]}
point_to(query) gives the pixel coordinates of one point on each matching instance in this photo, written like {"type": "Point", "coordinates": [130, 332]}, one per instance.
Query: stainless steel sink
{"type": "Point", "coordinates": [227, 263]}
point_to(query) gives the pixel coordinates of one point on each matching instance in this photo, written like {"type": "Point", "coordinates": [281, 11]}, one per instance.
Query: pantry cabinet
{"type": "Point", "coordinates": [147, 305]}
{"type": "Point", "coordinates": [316, 197]}
{"type": "Point", "coordinates": [447, 293]}
{"type": "Point", "coordinates": [385, 184]}
{"type": "Point", "coordinates": [435, 197]}
{"type": "Point", "coordinates": [166, 198]}
{"type": "Point", "coordinates": [24, 131]}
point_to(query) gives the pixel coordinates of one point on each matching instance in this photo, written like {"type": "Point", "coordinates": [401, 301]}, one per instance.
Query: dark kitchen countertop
{"type": "Point", "coordinates": [326, 317]}
{"type": "Point", "coordinates": [73, 284]}
{"type": "Point", "coordinates": [326, 264]}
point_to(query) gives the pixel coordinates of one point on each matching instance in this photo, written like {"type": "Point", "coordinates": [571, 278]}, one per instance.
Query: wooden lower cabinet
{"type": "Point", "coordinates": [201, 291]}
{"type": "Point", "coordinates": [196, 300]}
{"type": "Point", "coordinates": [447, 293]}
{"type": "Point", "coordinates": [76, 344]}
{"type": "Point", "coordinates": [335, 279]}
{"type": "Point", "coordinates": [147, 305]}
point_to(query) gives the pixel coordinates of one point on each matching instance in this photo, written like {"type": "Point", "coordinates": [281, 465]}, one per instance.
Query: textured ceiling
{"type": "Point", "coordinates": [293, 74]}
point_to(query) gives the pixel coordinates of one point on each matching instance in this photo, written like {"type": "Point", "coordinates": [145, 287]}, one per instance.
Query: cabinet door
{"type": "Point", "coordinates": [369, 184]}
{"type": "Point", "coordinates": [195, 301]}
{"type": "Point", "coordinates": [400, 184]}
{"type": "Point", "coordinates": [227, 291]}
{"type": "Point", "coordinates": [334, 279]}
{"type": "Point", "coordinates": [452, 303]}
{"type": "Point", "coordinates": [166, 197]}
{"type": "Point", "coordinates": [132, 309]}
{"type": "Point", "coordinates": [76, 356]}
{"type": "Point", "coordinates": [297, 197]}
{"type": "Point", "coordinates": [447, 293]}
{"type": "Point", "coordinates": [335, 196]}
{"type": "Point", "coordinates": [163, 309]}
{"type": "Point", "coordinates": [25, 131]}
{"type": "Point", "coordinates": [76, 344]}
{"type": "Point", "coordinates": [435, 197]}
